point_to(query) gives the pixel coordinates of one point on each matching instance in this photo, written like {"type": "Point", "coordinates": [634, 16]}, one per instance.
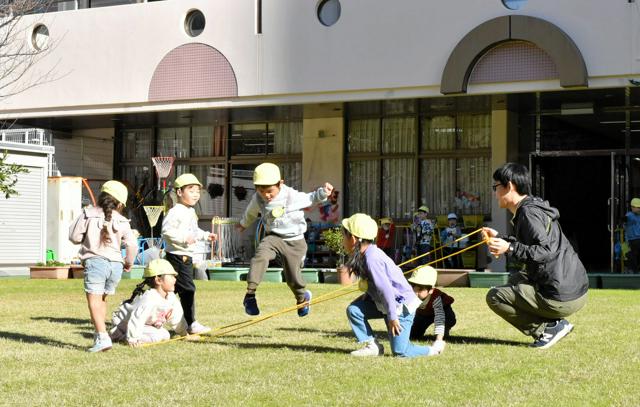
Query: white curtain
{"type": "Point", "coordinates": [364, 187]}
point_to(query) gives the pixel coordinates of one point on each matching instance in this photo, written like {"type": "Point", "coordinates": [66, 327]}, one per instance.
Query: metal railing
{"type": "Point", "coordinates": [30, 137]}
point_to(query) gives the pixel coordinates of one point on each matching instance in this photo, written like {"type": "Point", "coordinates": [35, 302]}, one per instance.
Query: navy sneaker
{"type": "Point", "coordinates": [304, 311]}
{"type": "Point", "coordinates": [251, 305]}
{"type": "Point", "coordinates": [552, 334]}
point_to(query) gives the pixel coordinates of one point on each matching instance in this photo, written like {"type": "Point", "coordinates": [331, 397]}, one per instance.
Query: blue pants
{"type": "Point", "coordinates": [362, 310]}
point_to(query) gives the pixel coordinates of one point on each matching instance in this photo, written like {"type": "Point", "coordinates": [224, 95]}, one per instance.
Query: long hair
{"type": "Point", "coordinates": [108, 205]}
{"type": "Point", "coordinates": [149, 282]}
{"type": "Point", "coordinates": [357, 263]}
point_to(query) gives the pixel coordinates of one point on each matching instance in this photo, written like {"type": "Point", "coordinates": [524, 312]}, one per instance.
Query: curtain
{"type": "Point", "coordinates": [364, 136]}
{"type": "Point", "coordinates": [363, 181]}
{"type": "Point", "coordinates": [398, 185]}
{"type": "Point", "coordinates": [174, 142]}
{"type": "Point", "coordinates": [399, 135]}
{"type": "Point", "coordinates": [438, 133]}
{"type": "Point", "coordinates": [287, 137]}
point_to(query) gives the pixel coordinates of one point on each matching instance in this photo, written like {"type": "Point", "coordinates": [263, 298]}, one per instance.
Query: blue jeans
{"type": "Point", "coordinates": [101, 276]}
{"type": "Point", "coordinates": [362, 310]}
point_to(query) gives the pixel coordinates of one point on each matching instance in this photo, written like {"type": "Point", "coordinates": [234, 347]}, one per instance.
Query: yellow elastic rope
{"type": "Point", "coordinates": [223, 330]}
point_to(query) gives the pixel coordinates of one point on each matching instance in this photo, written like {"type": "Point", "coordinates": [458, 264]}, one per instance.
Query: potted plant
{"type": "Point", "coordinates": [333, 241]}
{"type": "Point", "coordinates": [50, 269]}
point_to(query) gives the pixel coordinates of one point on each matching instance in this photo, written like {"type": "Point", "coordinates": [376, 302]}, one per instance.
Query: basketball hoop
{"type": "Point", "coordinates": [153, 213]}
{"type": "Point", "coordinates": [163, 166]}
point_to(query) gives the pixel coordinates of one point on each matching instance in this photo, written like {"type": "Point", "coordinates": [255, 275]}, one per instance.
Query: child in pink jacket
{"type": "Point", "coordinates": [102, 231]}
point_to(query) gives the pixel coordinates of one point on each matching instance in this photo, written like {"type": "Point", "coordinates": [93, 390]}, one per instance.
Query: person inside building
{"type": "Point", "coordinates": [152, 306]}
{"type": "Point", "coordinates": [554, 283]}
{"type": "Point", "coordinates": [423, 229]}
{"type": "Point", "coordinates": [101, 231]}
{"type": "Point", "coordinates": [180, 232]}
{"type": "Point", "coordinates": [448, 237]}
{"type": "Point", "coordinates": [435, 307]}
{"type": "Point", "coordinates": [281, 209]}
{"type": "Point", "coordinates": [632, 236]}
{"type": "Point", "coordinates": [386, 237]}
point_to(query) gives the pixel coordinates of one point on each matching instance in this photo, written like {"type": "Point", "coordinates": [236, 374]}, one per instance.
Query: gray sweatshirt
{"type": "Point", "coordinates": [291, 224]}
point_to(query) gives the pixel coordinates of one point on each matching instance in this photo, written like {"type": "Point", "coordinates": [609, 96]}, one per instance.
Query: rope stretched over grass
{"type": "Point", "coordinates": [349, 289]}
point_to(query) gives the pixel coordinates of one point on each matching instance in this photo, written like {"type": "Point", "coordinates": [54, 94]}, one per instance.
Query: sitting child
{"type": "Point", "coordinates": [141, 318]}
{"type": "Point", "coordinates": [435, 308]}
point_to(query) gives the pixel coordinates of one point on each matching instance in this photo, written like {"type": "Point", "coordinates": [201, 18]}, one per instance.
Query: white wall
{"type": "Point", "coordinates": [104, 58]}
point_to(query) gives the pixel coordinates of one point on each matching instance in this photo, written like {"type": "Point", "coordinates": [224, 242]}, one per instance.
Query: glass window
{"type": "Point", "coordinates": [287, 137]}
{"type": "Point", "coordinates": [213, 194]}
{"type": "Point", "coordinates": [250, 139]}
{"type": "Point", "coordinates": [474, 130]}
{"type": "Point", "coordinates": [514, 4]}
{"type": "Point", "coordinates": [399, 135]}
{"type": "Point", "coordinates": [364, 136]}
{"type": "Point", "coordinates": [194, 23]}
{"type": "Point", "coordinates": [137, 143]}
{"type": "Point", "coordinates": [203, 139]}
{"type": "Point", "coordinates": [173, 142]}
{"type": "Point", "coordinates": [242, 188]}
{"type": "Point", "coordinates": [399, 194]}
{"type": "Point", "coordinates": [364, 187]}
{"type": "Point", "coordinates": [329, 12]}
{"type": "Point", "coordinates": [438, 133]}
{"type": "Point", "coordinates": [292, 174]}
{"type": "Point", "coordinates": [40, 37]}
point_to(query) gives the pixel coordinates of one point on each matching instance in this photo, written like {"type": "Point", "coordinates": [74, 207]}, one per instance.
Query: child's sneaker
{"type": "Point", "coordinates": [552, 334]}
{"type": "Point", "coordinates": [304, 311]}
{"type": "Point", "coordinates": [371, 348]}
{"type": "Point", "coordinates": [101, 343]}
{"type": "Point", "coordinates": [250, 304]}
{"type": "Point", "coordinates": [197, 328]}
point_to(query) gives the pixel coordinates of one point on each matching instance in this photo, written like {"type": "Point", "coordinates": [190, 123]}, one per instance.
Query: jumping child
{"type": "Point", "coordinates": [101, 231]}
{"type": "Point", "coordinates": [284, 222]}
{"type": "Point", "coordinates": [387, 294]}
{"type": "Point", "coordinates": [141, 318]}
{"type": "Point", "coordinates": [180, 232]}
{"type": "Point", "coordinates": [434, 309]}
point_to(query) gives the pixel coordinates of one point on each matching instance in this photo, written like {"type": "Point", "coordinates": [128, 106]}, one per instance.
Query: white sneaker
{"type": "Point", "coordinates": [371, 348]}
{"type": "Point", "coordinates": [101, 343]}
{"type": "Point", "coordinates": [197, 328]}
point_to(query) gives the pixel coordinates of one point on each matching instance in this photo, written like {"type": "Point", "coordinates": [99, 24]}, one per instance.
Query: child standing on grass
{"type": "Point", "coordinates": [632, 235]}
{"type": "Point", "coordinates": [281, 209]}
{"type": "Point", "coordinates": [102, 231]}
{"type": "Point", "coordinates": [141, 318]}
{"type": "Point", "coordinates": [388, 294]}
{"type": "Point", "coordinates": [434, 309]}
{"type": "Point", "coordinates": [180, 232]}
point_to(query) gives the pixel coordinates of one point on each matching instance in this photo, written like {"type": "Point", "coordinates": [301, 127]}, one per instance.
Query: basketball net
{"type": "Point", "coordinates": [153, 213]}
{"type": "Point", "coordinates": [163, 166]}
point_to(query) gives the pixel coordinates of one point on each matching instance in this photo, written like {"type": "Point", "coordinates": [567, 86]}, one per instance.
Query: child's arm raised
{"type": "Point", "coordinates": [303, 200]}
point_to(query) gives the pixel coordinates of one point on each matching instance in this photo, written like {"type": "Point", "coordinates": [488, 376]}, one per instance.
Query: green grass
{"type": "Point", "coordinates": [292, 361]}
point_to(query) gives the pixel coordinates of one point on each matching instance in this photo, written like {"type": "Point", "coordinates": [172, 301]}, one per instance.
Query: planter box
{"type": "Point", "coordinates": [135, 273]}
{"type": "Point", "coordinates": [273, 274]}
{"type": "Point", "coordinates": [310, 275]}
{"type": "Point", "coordinates": [76, 272]}
{"type": "Point", "coordinates": [60, 273]}
{"type": "Point", "coordinates": [481, 279]}
{"type": "Point", "coordinates": [227, 273]}
{"type": "Point", "coordinates": [453, 278]}
{"type": "Point", "coordinates": [627, 281]}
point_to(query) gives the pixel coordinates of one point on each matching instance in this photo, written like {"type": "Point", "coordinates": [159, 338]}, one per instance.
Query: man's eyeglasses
{"type": "Point", "coordinates": [494, 187]}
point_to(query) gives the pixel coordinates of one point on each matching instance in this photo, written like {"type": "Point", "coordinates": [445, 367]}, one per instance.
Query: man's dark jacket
{"type": "Point", "coordinates": [552, 265]}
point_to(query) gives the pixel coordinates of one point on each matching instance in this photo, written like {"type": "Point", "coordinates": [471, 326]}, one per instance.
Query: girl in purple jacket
{"type": "Point", "coordinates": [387, 294]}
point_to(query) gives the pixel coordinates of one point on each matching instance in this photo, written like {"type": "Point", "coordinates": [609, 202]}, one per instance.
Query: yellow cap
{"type": "Point", "coordinates": [361, 225]}
{"type": "Point", "coordinates": [423, 208]}
{"type": "Point", "coordinates": [184, 180]}
{"type": "Point", "coordinates": [425, 275]}
{"type": "Point", "coordinates": [386, 221]}
{"type": "Point", "coordinates": [266, 174]}
{"type": "Point", "coordinates": [635, 202]}
{"type": "Point", "coordinates": [158, 267]}
{"type": "Point", "coordinates": [117, 190]}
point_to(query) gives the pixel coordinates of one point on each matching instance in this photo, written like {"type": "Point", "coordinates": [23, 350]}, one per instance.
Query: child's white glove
{"type": "Point", "coordinates": [438, 347]}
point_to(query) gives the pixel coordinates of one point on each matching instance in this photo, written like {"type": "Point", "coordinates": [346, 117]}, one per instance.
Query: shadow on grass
{"type": "Point", "coordinates": [71, 321]}
{"type": "Point", "coordinates": [342, 334]}
{"type": "Point", "coordinates": [302, 348]}
{"type": "Point", "coordinates": [18, 337]}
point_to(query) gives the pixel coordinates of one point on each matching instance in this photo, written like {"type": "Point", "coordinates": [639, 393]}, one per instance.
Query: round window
{"type": "Point", "coordinates": [514, 4]}
{"type": "Point", "coordinates": [329, 12]}
{"type": "Point", "coordinates": [194, 23]}
{"type": "Point", "coordinates": [40, 37]}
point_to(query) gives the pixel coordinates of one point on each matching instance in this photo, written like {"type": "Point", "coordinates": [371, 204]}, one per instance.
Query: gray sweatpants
{"type": "Point", "coordinates": [292, 253]}
{"type": "Point", "coordinates": [522, 306]}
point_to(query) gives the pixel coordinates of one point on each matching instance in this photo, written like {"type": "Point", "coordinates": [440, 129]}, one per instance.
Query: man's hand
{"type": "Point", "coordinates": [498, 246]}
{"type": "Point", "coordinates": [488, 232]}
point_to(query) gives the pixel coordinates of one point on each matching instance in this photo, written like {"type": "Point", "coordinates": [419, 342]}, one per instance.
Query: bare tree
{"type": "Point", "coordinates": [22, 46]}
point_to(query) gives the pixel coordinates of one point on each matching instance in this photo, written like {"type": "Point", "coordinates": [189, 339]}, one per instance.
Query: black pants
{"type": "Point", "coordinates": [422, 322]}
{"type": "Point", "coordinates": [185, 288]}
{"type": "Point", "coordinates": [453, 262]}
{"type": "Point", "coordinates": [633, 256]}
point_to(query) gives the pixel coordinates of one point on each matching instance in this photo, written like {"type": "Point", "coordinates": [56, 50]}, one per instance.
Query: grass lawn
{"type": "Point", "coordinates": [291, 361]}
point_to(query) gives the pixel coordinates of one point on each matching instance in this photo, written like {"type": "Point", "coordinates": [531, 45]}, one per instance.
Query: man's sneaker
{"type": "Point", "coordinates": [251, 305]}
{"type": "Point", "coordinates": [101, 343]}
{"type": "Point", "coordinates": [197, 328]}
{"type": "Point", "coordinates": [552, 334]}
{"type": "Point", "coordinates": [371, 348]}
{"type": "Point", "coordinates": [304, 311]}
